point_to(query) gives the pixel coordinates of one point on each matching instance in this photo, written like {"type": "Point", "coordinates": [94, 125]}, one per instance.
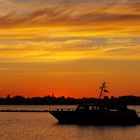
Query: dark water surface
{"type": "Point", "coordinates": [43, 126]}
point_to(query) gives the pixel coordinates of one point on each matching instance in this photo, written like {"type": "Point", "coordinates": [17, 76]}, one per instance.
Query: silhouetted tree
{"type": "Point", "coordinates": [52, 100]}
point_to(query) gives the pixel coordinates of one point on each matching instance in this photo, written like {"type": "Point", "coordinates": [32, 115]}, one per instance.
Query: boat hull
{"type": "Point", "coordinates": [96, 117]}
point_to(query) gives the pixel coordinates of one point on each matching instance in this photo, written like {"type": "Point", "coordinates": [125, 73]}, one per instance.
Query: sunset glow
{"type": "Point", "coordinates": [69, 47]}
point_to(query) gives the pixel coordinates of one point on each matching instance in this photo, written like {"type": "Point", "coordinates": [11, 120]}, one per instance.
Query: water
{"type": "Point", "coordinates": [43, 126]}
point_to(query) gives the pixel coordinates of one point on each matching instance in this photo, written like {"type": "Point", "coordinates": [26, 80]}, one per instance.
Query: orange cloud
{"type": "Point", "coordinates": [58, 14]}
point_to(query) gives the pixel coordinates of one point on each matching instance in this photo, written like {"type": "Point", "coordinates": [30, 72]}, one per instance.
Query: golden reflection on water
{"type": "Point", "coordinates": [43, 126]}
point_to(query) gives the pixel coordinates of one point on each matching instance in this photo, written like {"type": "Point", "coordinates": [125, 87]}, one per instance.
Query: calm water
{"type": "Point", "coordinates": [43, 126]}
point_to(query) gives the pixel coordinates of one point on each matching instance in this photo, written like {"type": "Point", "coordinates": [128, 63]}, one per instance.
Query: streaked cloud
{"type": "Point", "coordinates": [69, 49]}
{"type": "Point", "coordinates": [105, 15]}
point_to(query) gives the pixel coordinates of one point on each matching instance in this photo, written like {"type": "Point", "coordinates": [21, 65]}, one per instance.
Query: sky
{"type": "Point", "coordinates": [69, 47]}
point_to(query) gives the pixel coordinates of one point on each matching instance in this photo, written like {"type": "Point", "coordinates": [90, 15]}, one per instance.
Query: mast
{"type": "Point", "coordinates": [103, 89]}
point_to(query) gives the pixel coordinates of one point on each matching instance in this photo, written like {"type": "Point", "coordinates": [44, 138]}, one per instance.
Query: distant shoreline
{"type": "Point", "coordinates": [24, 110]}
{"type": "Point", "coordinates": [52, 100]}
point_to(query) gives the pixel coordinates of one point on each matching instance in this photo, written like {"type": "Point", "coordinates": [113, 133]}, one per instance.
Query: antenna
{"type": "Point", "coordinates": [103, 89]}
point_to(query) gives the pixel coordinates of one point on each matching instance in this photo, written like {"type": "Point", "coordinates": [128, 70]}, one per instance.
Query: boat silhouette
{"type": "Point", "coordinates": [103, 112]}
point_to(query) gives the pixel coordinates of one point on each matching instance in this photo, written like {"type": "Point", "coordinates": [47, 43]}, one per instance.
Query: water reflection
{"type": "Point", "coordinates": [43, 126]}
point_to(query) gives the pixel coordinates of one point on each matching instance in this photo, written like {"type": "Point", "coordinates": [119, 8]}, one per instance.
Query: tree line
{"type": "Point", "coordinates": [52, 100]}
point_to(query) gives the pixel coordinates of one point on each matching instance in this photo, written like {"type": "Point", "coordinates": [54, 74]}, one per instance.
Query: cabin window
{"type": "Point", "coordinates": [97, 107]}
{"type": "Point", "coordinates": [81, 108]}
{"type": "Point", "coordinates": [90, 108]}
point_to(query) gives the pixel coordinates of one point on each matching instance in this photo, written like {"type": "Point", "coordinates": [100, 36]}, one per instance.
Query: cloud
{"type": "Point", "coordinates": [69, 49]}
{"type": "Point", "coordinates": [69, 13]}
{"type": "Point", "coordinates": [59, 45]}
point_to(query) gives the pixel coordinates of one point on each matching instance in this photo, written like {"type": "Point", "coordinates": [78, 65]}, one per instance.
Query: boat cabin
{"type": "Point", "coordinates": [101, 107]}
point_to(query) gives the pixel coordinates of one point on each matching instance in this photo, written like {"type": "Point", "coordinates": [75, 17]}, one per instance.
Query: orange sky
{"type": "Point", "coordinates": [69, 47]}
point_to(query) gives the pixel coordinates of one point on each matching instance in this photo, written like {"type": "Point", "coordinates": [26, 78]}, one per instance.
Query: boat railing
{"type": "Point", "coordinates": [138, 113]}
{"type": "Point", "coordinates": [62, 109]}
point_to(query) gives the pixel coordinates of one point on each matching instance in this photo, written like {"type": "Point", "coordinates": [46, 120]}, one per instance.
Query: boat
{"type": "Point", "coordinates": [102, 112]}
